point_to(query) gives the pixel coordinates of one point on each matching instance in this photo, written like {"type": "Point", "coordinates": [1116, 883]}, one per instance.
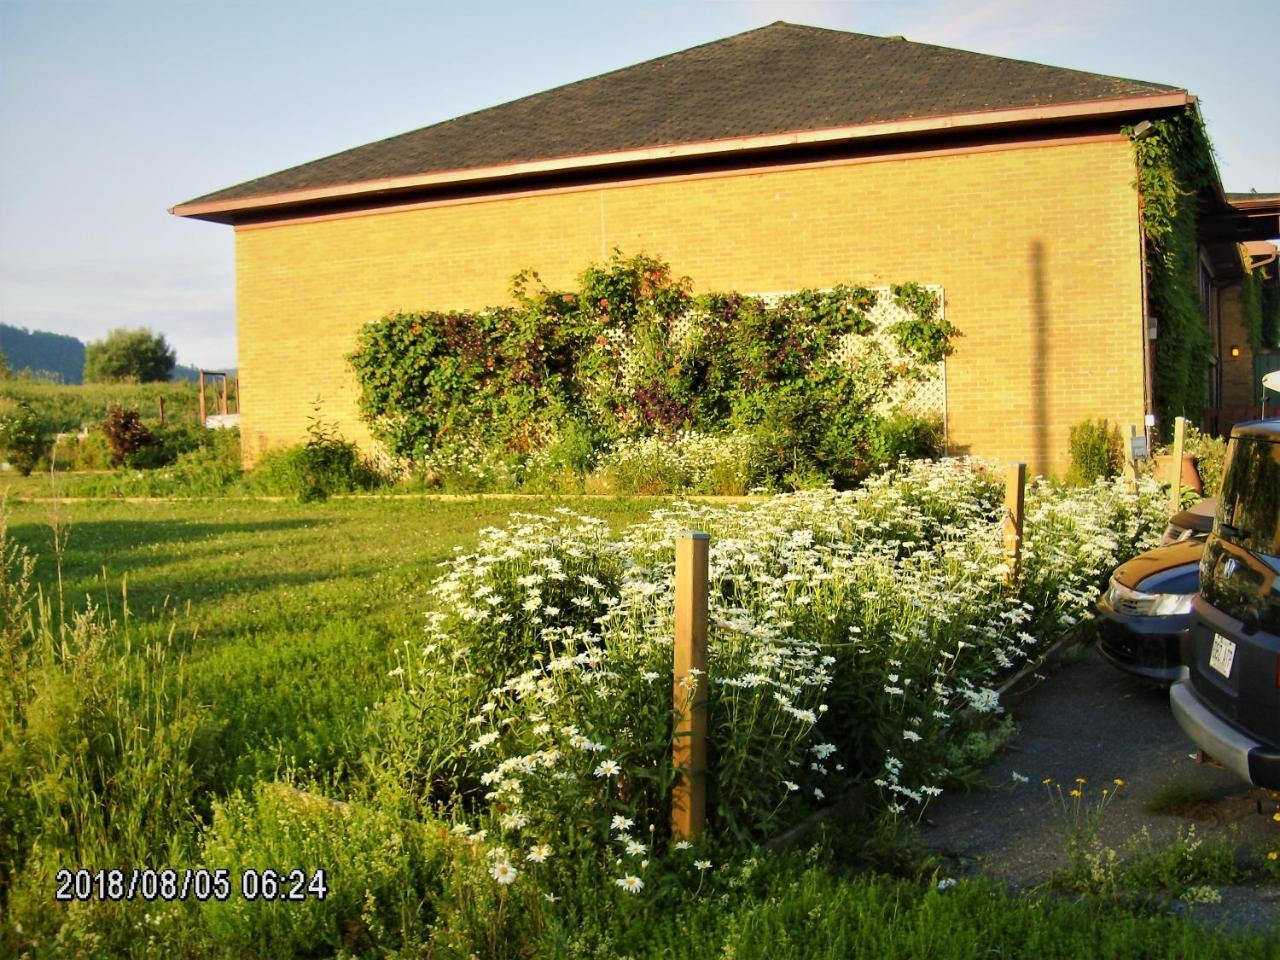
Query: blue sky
{"type": "Point", "coordinates": [112, 111]}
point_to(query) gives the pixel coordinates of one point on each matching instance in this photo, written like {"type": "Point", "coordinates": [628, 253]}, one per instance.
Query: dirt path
{"type": "Point", "coordinates": [1089, 720]}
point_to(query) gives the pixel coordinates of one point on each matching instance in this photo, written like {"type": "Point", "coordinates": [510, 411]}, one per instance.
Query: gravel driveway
{"type": "Point", "coordinates": [1089, 720]}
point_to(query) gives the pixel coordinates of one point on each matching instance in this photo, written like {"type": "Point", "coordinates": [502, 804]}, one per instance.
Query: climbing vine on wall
{"type": "Point", "coordinates": [1175, 162]}
{"type": "Point", "coordinates": [631, 352]}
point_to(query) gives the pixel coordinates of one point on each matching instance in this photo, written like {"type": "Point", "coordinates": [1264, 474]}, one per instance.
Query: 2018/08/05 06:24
{"type": "Point", "coordinates": [199, 884]}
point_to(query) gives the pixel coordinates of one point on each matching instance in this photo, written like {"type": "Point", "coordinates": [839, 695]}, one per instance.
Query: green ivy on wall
{"type": "Point", "coordinates": [632, 352]}
{"type": "Point", "coordinates": [1175, 162]}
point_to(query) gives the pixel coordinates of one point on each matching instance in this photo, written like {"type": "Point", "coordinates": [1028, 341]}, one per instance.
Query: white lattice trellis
{"type": "Point", "coordinates": [926, 395]}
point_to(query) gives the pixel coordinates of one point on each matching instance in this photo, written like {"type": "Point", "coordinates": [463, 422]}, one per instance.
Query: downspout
{"type": "Point", "coordinates": [1148, 372]}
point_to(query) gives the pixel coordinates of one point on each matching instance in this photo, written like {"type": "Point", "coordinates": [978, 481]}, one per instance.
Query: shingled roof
{"type": "Point", "coordinates": [782, 78]}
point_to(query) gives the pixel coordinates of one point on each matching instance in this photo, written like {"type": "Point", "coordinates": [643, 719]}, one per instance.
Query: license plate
{"type": "Point", "coordinates": [1222, 655]}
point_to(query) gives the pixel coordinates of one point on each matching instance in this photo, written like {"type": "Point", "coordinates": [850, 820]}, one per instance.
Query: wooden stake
{"type": "Point", "coordinates": [1015, 485]}
{"type": "Point", "coordinates": [1175, 488]}
{"type": "Point", "coordinates": [160, 408]}
{"type": "Point", "coordinates": [1130, 464]}
{"type": "Point", "coordinates": [689, 688]}
{"type": "Point", "coordinates": [202, 413]}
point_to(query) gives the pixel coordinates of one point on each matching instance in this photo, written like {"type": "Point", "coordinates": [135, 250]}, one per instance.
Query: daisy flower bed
{"type": "Point", "coordinates": [857, 640]}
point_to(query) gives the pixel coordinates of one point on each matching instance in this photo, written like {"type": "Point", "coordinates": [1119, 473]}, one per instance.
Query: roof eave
{"type": "Point", "coordinates": [225, 211]}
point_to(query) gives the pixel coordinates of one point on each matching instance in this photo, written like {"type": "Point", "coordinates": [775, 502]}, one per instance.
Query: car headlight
{"type": "Point", "coordinates": [1135, 603]}
{"type": "Point", "coordinates": [1171, 604]}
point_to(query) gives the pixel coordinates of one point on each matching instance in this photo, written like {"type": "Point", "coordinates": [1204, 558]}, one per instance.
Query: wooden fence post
{"type": "Point", "coordinates": [689, 688]}
{"type": "Point", "coordinates": [160, 407]}
{"type": "Point", "coordinates": [1175, 489]}
{"type": "Point", "coordinates": [202, 413]}
{"type": "Point", "coordinates": [1015, 485]}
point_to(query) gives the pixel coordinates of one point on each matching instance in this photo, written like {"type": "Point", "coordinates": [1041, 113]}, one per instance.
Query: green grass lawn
{"type": "Point", "coordinates": [284, 619]}
{"type": "Point", "coordinates": [286, 614]}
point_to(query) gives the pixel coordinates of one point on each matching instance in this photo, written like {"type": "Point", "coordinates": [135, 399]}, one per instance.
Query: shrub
{"type": "Point", "coordinates": [1210, 454]}
{"type": "Point", "coordinates": [689, 463]}
{"type": "Point", "coordinates": [126, 434]}
{"type": "Point", "coordinates": [326, 464]}
{"type": "Point", "coordinates": [24, 435]}
{"type": "Point", "coordinates": [904, 435]}
{"type": "Point", "coordinates": [1096, 451]}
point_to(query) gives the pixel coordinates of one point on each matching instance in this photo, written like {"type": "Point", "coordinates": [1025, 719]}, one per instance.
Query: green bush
{"type": "Point", "coordinates": [25, 436]}
{"type": "Point", "coordinates": [1210, 454]}
{"type": "Point", "coordinates": [326, 464]}
{"type": "Point", "coordinates": [1097, 451]}
{"type": "Point", "coordinates": [902, 434]}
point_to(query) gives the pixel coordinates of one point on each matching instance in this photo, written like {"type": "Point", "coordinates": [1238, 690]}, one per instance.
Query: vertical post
{"type": "Point", "coordinates": [1015, 485]}
{"type": "Point", "coordinates": [689, 688]}
{"type": "Point", "coordinates": [202, 414]}
{"type": "Point", "coordinates": [160, 407]}
{"type": "Point", "coordinates": [222, 400]}
{"type": "Point", "coordinates": [1131, 464]}
{"type": "Point", "coordinates": [1175, 488]}
{"type": "Point", "coordinates": [237, 391]}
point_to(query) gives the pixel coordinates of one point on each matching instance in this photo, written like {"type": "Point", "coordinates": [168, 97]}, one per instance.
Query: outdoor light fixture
{"type": "Point", "coordinates": [1235, 351]}
{"type": "Point", "coordinates": [1143, 130]}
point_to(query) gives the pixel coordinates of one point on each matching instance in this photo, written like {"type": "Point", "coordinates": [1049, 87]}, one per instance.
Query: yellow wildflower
{"type": "Point", "coordinates": [1076, 793]}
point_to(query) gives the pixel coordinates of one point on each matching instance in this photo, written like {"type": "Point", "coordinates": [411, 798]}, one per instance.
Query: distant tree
{"type": "Point", "coordinates": [5, 370]}
{"type": "Point", "coordinates": [137, 355]}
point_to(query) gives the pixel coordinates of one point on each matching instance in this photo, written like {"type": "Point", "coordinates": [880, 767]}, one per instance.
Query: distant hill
{"type": "Point", "coordinates": [50, 356]}
{"type": "Point", "coordinates": [58, 357]}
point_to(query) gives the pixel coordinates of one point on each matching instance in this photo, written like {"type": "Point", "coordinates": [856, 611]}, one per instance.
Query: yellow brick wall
{"type": "Point", "coordinates": [1037, 249]}
{"type": "Point", "coordinates": [1237, 372]}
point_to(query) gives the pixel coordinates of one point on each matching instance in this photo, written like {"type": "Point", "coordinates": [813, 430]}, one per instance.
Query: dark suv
{"type": "Point", "coordinates": [1229, 702]}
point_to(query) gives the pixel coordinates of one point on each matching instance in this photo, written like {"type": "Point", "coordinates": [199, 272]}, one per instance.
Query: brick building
{"type": "Point", "coordinates": [782, 158]}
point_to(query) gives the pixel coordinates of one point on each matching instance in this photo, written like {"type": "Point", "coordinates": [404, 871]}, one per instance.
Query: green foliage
{"type": "Point", "coordinates": [1175, 163]}
{"type": "Point", "coordinates": [1097, 451]}
{"type": "Point", "coordinates": [1251, 307]}
{"type": "Point", "coordinates": [1210, 454]}
{"type": "Point", "coordinates": [633, 353]}
{"type": "Point", "coordinates": [24, 435]}
{"type": "Point", "coordinates": [927, 336]}
{"type": "Point", "coordinates": [41, 355]}
{"type": "Point", "coordinates": [138, 356]}
{"type": "Point", "coordinates": [903, 434]}
{"type": "Point", "coordinates": [383, 876]}
{"type": "Point", "coordinates": [72, 407]}
{"type": "Point", "coordinates": [5, 370]}
{"type": "Point", "coordinates": [315, 470]}
{"type": "Point", "coordinates": [1270, 307]}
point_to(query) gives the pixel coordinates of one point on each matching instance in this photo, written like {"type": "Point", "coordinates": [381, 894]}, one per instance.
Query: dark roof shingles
{"type": "Point", "coordinates": [779, 78]}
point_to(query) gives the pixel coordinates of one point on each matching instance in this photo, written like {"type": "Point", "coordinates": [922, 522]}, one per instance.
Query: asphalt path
{"type": "Point", "coordinates": [1088, 720]}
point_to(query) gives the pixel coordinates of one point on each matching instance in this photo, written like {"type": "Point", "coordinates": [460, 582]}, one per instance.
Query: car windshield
{"type": "Point", "coordinates": [1250, 501]}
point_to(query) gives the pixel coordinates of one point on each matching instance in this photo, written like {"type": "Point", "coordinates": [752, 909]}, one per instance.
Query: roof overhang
{"type": "Point", "coordinates": [1230, 223]}
{"type": "Point", "coordinates": [396, 188]}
